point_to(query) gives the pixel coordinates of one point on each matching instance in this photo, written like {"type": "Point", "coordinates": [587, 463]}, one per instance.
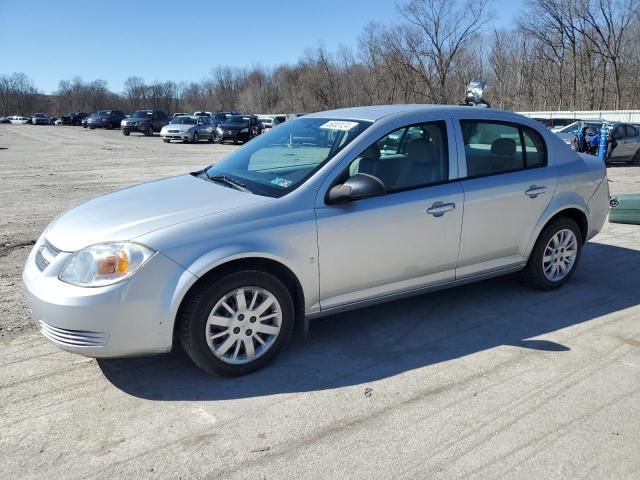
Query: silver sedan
{"type": "Point", "coordinates": [188, 129]}
{"type": "Point", "coordinates": [328, 212]}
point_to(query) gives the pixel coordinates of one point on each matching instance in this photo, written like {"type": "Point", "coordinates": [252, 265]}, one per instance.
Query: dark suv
{"type": "Point", "coordinates": [105, 119]}
{"type": "Point", "coordinates": [145, 121]}
{"type": "Point", "coordinates": [73, 118]}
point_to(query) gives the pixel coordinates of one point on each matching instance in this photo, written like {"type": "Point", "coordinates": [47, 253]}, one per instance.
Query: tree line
{"type": "Point", "coordinates": [559, 55]}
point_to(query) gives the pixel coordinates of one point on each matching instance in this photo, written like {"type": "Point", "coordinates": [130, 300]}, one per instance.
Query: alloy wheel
{"type": "Point", "coordinates": [560, 255]}
{"type": "Point", "coordinates": [243, 325]}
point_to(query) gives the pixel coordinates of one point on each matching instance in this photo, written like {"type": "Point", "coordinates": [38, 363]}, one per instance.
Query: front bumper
{"type": "Point", "coordinates": [133, 317]}
{"type": "Point", "coordinates": [233, 135]}
{"type": "Point", "coordinates": [184, 136]}
{"type": "Point", "coordinates": [130, 127]}
{"type": "Point", "coordinates": [99, 124]}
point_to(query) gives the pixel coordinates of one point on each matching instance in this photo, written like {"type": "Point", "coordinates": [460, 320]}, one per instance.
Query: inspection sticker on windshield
{"type": "Point", "coordinates": [339, 125]}
{"type": "Point", "coordinates": [281, 182]}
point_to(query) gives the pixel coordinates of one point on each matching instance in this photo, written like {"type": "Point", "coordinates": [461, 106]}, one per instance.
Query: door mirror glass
{"type": "Point", "coordinates": [357, 187]}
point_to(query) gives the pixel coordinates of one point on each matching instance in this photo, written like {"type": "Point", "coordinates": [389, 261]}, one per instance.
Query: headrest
{"type": "Point", "coordinates": [372, 152]}
{"type": "Point", "coordinates": [505, 147]}
{"type": "Point", "coordinates": [421, 151]}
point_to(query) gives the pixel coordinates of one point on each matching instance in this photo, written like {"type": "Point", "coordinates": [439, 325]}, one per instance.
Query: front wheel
{"type": "Point", "coordinates": [196, 137]}
{"type": "Point", "coordinates": [149, 132]}
{"type": "Point", "coordinates": [236, 324]}
{"type": "Point", "coordinates": [212, 138]}
{"type": "Point", "coordinates": [635, 160]}
{"type": "Point", "coordinates": [555, 256]}
{"type": "Point", "coordinates": [126, 133]}
{"type": "Point", "coordinates": [165, 140]}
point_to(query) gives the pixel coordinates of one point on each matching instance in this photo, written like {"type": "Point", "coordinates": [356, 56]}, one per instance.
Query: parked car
{"type": "Point", "coordinates": [85, 121]}
{"type": "Point", "coordinates": [4, 120]}
{"type": "Point", "coordinates": [74, 118]}
{"type": "Point", "coordinates": [239, 128]}
{"type": "Point", "coordinates": [40, 119]}
{"type": "Point", "coordinates": [270, 121]}
{"type": "Point", "coordinates": [624, 143]}
{"type": "Point", "coordinates": [108, 119]}
{"type": "Point", "coordinates": [189, 129]}
{"type": "Point", "coordinates": [310, 219]}
{"type": "Point", "coordinates": [179, 115]}
{"type": "Point", "coordinates": [18, 120]}
{"type": "Point", "coordinates": [201, 114]}
{"type": "Point", "coordinates": [625, 208]}
{"type": "Point", "coordinates": [145, 121]}
{"type": "Point", "coordinates": [58, 121]}
{"type": "Point", "coordinates": [53, 120]}
{"type": "Point", "coordinates": [569, 132]}
{"type": "Point", "coordinates": [267, 122]}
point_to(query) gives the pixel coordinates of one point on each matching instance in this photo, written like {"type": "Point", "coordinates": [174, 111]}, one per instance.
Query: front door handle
{"type": "Point", "coordinates": [438, 209]}
{"type": "Point", "coordinates": [535, 190]}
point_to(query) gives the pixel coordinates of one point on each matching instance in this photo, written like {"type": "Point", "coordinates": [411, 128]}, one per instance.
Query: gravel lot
{"type": "Point", "coordinates": [490, 380]}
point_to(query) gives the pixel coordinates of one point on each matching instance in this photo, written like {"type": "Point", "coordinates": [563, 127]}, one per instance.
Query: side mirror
{"type": "Point", "coordinates": [360, 186]}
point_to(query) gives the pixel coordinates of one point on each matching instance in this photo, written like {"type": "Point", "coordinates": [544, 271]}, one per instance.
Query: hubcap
{"type": "Point", "coordinates": [560, 255]}
{"type": "Point", "coordinates": [243, 325]}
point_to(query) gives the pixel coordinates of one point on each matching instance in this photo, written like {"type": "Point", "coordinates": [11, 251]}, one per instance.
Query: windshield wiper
{"type": "Point", "coordinates": [237, 184]}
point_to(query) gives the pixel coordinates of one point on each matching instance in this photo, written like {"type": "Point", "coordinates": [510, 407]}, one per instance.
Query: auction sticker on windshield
{"type": "Point", "coordinates": [339, 125]}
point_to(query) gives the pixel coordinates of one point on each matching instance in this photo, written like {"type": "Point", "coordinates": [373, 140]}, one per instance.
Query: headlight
{"type": "Point", "coordinates": [244, 130]}
{"type": "Point", "coordinates": [218, 129]}
{"type": "Point", "coordinates": [104, 264]}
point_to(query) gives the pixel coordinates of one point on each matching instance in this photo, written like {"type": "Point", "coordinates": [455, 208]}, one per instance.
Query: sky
{"type": "Point", "coordinates": [180, 40]}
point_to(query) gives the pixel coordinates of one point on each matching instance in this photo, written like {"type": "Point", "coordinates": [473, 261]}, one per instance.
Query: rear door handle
{"type": "Point", "coordinates": [535, 190]}
{"type": "Point", "coordinates": [438, 209]}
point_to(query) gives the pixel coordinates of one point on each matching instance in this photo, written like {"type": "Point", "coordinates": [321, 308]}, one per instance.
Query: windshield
{"type": "Point", "coordinates": [237, 119]}
{"type": "Point", "coordinates": [266, 121]}
{"type": "Point", "coordinates": [40, 115]}
{"type": "Point", "coordinates": [220, 117]}
{"type": "Point", "coordinates": [142, 114]}
{"type": "Point", "coordinates": [184, 120]}
{"type": "Point", "coordinates": [103, 113]}
{"type": "Point", "coordinates": [276, 162]}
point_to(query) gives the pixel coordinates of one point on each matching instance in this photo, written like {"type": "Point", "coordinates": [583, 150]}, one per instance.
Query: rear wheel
{"type": "Point", "coordinates": [196, 137]}
{"type": "Point", "coordinates": [236, 324]}
{"type": "Point", "coordinates": [635, 160]}
{"type": "Point", "coordinates": [149, 132]}
{"type": "Point", "coordinates": [555, 255]}
{"type": "Point", "coordinates": [212, 137]}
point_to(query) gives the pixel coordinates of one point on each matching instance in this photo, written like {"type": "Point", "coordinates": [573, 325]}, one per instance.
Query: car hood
{"type": "Point", "coordinates": [181, 127]}
{"type": "Point", "coordinates": [134, 211]}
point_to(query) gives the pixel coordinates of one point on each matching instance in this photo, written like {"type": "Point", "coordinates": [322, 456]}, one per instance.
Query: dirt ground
{"type": "Point", "coordinates": [490, 380]}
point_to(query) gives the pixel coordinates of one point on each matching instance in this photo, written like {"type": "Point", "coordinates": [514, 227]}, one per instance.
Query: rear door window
{"type": "Point", "coordinates": [493, 147]}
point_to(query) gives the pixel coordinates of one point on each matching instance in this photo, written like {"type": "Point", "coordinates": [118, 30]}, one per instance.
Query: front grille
{"type": "Point", "coordinates": [45, 255]}
{"type": "Point", "coordinates": [74, 338]}
{"type": "Point", "coordinates": [174, 131]}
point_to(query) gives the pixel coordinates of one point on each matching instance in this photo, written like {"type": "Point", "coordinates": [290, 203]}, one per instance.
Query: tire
{"type": "Point", "coordinates": [196, 138]}
{"type": "Point", "coordinates": [212, 138]}
{"type": "Point", "coordinates": [110, 126]}
{"type": "Point", "coordinates": [126, 133]}
{"type": "Point", "coordinates": [92, 128]}
{"type": "Point", "coordinates": [635, 160]}
{"type": "Point", "coordinates": [198, 308]}
{"type": "Point", "coordinates": [165, 140]}
{"type": "Point", "coordinates": [149, 132]}
{"type": "Point", "coordinates": [534, 273]}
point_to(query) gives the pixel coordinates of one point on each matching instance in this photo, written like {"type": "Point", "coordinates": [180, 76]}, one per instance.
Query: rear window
{"type": "Point", "coordinates": [498, 147]}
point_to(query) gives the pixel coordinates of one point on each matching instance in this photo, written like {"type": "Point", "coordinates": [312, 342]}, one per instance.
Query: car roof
{"type": "Point", "coordinates": [376, 112]}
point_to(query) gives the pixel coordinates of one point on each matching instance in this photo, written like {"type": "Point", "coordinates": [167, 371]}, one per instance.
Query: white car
{"type": "Point", "coordinates": [58, 122]}
{"type": "Point", "coordinates": [17, 120]}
